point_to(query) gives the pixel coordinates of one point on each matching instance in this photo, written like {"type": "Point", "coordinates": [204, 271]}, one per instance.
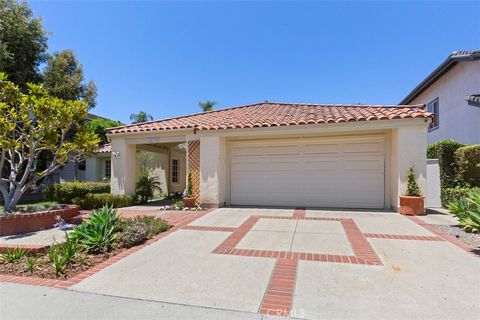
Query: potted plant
{"type": "Point", "coordinates": [412, 203]}
{"type": "Point", "coordinates": [189, 200]}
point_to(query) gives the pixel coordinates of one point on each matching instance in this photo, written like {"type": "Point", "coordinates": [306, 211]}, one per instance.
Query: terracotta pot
{"type": "Point", "coordinates": [189, 202]}
{"type": "Point", "coordinates": [412, 206]}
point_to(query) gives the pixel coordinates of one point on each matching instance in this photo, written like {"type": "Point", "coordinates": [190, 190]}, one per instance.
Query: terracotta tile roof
{"type": "Point", "coordinates": [104, 148]}
{"type": "Point", "coordinates": [270, 114]}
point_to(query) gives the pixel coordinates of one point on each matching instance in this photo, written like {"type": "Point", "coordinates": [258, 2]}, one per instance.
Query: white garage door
{"type": "Point", "coordinates": [328, 172]}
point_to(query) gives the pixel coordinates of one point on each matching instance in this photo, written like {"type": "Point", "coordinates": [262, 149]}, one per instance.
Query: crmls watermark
{"type": "Point", "coordinates": [294, 313]}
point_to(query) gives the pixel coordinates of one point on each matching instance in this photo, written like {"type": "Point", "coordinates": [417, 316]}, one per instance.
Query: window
{"type": "Point", "coordinates": [175, 169]}
{"type": "Point", "coordinates": [108, 168]}
{"type": "Point", "coordinates": [433, 108]}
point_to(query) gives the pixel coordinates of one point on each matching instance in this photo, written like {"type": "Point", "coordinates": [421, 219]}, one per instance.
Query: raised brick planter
{"type": "Point", "coordinates": [30, 222]}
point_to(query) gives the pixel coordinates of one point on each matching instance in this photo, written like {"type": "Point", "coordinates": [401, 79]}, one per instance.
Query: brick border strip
{"type": "Point", "coordinates": [442, 234]}
{"type": "Point", "coordinates": [30, 248]}
{"type": "Point", "coordinates": [278, 298]}
{"type": "Point", "coordinates": [402, 237]}
{"type": "Point", "coordinates": [207, 228]}
{"type": "Point", "coordinates": [178, 223]}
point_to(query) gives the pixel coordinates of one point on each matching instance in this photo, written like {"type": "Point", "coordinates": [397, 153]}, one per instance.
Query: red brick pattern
{"type": "Point", "coordinates": [29, 222]}
{"type": "Point", "coordinates": [359, 243]}
{"type": "Point", "coordinates": [446, 237]}
{"type": "Point", "coordinates": [278, 299]}
{"type": "Point", "coordinates": [31, 248]}
{"type": "Point", "coordinates": [299, 213]}
{"type": "Point", "coordinates": [401, 237]}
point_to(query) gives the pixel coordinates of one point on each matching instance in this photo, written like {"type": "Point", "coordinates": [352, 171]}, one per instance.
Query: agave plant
{"type": "Point", "coordinates": [99, 232]}
{"type": "Point", "coordinates": [467, 210]}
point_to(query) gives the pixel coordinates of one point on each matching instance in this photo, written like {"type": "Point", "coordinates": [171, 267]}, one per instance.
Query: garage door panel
{"type": "Point", "coordinates": [317, 173]}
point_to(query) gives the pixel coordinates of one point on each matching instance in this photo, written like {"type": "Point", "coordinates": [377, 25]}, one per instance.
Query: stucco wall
{"type": "Point", "coordinates": [212, 171]}
{"type": "Point", "coordinates": [458, 120]}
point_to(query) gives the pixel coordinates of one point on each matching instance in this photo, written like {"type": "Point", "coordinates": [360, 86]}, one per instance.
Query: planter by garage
{"type": "Point", "coordinates": [190, 202]}
{"type": "Point", "coordinates": [412, 205]}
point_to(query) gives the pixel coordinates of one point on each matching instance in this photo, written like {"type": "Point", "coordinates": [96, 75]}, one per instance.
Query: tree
{"type": "Point", "coordinates": [63, 78]}
{"type": "Point", "coordinates": [23, 43]}
{"type": "Point", "coordinates": [33, 122]}
{"type": "Point", "coordinates": [99, 126]}
{"type": "Point", "coordinates": [207, 105]}
{"type": "Point", "coordinates": [142, 116]}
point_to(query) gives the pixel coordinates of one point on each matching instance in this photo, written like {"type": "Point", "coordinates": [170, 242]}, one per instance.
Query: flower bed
{"type": "Point", "coordinates": [29, 222]}
{"type": "Point", "coordinates": [103, 235]}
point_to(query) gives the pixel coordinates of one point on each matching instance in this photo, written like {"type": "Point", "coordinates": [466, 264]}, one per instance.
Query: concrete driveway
{"type": "Point", "coordinates": [310, 264]}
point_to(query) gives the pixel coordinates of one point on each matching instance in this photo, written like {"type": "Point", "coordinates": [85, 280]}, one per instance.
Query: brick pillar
{"type": "Point", "coordinates": [194, 167]}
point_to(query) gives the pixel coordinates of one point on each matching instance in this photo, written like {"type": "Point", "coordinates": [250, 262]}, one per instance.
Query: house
{"type": "Point", "coordinates": [452, 93]}
{"type": "Point", "coordinates": [285, 154]}
{"type": "Point", "coordinates": [166, 162]}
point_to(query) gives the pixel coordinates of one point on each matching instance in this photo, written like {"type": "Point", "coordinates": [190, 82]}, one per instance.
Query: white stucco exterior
{"type": "Point", "coordinates": [458, 120]}
{"type": "Point", "coordinates": [404, 141]}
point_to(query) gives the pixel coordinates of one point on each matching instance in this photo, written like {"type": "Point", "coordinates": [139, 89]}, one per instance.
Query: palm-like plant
{"type": "Point", "coordinates": [207, 105]}
{"type": "Point", "coordinates": [146, 186]}
{"type": "Point", "coordinates": [142, 116]}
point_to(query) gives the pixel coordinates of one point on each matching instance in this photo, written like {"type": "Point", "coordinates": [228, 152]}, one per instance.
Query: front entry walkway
{"type": "Point", "coordinates": [304, 263]}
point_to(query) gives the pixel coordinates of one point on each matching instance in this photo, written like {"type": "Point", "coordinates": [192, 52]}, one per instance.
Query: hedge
{"type": "Point", "coordinates": [98, 200]}
{"type": "Point", "coordinates": [444, 151]}
{"type": "Point", "coordinates": [66, 192]}
{"type": "Point", "coordinates": [467, 161]}
{"type": "Point", "coordinates": [448, 195]}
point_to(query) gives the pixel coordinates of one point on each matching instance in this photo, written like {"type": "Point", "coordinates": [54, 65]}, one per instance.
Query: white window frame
{"type": "Point", "coordinates": [435, 124]}
{"type": "Point", "coordinates": [177, 172]}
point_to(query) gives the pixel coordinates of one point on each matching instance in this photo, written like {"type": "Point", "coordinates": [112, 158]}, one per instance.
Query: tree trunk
{"type": "Point", "coordinates": [12, 200]}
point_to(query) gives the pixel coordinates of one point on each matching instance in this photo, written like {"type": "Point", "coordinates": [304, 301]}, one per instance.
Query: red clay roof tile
{"type": "Point", "coordinates": [269, 114]}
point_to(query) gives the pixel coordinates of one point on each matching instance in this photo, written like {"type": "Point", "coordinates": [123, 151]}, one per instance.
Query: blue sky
{"type": "Point", "coordinates": [164, 57]}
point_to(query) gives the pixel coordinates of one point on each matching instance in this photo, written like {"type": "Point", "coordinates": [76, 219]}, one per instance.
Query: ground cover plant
{"type": "Point", "coordinates": [467, 210]}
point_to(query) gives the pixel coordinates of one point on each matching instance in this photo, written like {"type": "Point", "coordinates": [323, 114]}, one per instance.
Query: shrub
{"type": "Point", "coordinates": [98, 200]}
{"type": "Point", "coordinates": [412, 187]}
{"type": "Point", "coordinates": [146, 186]}
{"type": "Point", "coordinates": [444, 151]}
{"type": "Point", "coordinates": [467, 210]}
{"type": "Point", "coordinates": [99, 232]}
{"type": "Point", "coordinates": [178, 205]}
{"type": "Point", "coordinates": [12, 255]}
{"type": "Point", "coordinates": [138, 229]}
{"type": "Point", "coordinates": [467, 161]}
{"type": "Point", "coordinates": [61, 255]}
{"type": "Point", "coordinates": [448, 195]}
{"type": "Point", "coordinates": [66, 192]}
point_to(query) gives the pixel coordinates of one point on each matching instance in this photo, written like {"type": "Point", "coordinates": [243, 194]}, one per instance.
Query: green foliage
{"type": "Point", "coordinates": [142, 116]}
{"type": "Point", "coordinates": [412, 187]}
{"type": "Point", "coordinates": [66, 192]}
{"type": "Point", "coordinates": [467, 161]}
{"type": "Point", "coordinates": [31, 264]}
{"type": "Point", "coordinates": [62, 254]}
{"type": "Point", "coordinates": [23, 43]}
{"type": "Point", "coordinates": [207, 105]}
{"type": "Point", "coordinates": [444, 151]}
{"type": "Point", "coordinates": [12, 255]}
{"type": "Point", "coordinates": [146, 186]}
{"type": "Point", "coordinates": [99, 126]}
{"type": "Point", "coordinates": [63, 78]}
{"type": "Point", "coordinates": [189, 185]}
{"type": "Point", "coordinates": [138, 229]}
{"type": "Point", "coordinates": [178, 205]}
{"type": "Point", "coordinates": [99, 232]}
{"type": "Point", "coordinates": [99, 200]}
{"type": "Point", "coordinates": [30, 124]}
{"type": "Point", "coordinates": [449, 195]}
{"type": "Point", "coordinates": [467, 210]}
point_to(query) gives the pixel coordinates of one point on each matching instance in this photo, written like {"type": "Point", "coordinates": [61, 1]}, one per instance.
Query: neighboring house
{"type": "Point", "coordinates": [452, 93]}
{"type": "Point", "coordinates": [286, 154]}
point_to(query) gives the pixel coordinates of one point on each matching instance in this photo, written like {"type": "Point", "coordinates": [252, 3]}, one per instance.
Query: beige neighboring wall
{"type": "Point", "coordinates": [458, 120]}
{"type": "Point", "coordinates": [213, 171]}
{"type": "Point", "coordinates": [123, 167]}
{"type": "Point", "coordinates": [407, 147]}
